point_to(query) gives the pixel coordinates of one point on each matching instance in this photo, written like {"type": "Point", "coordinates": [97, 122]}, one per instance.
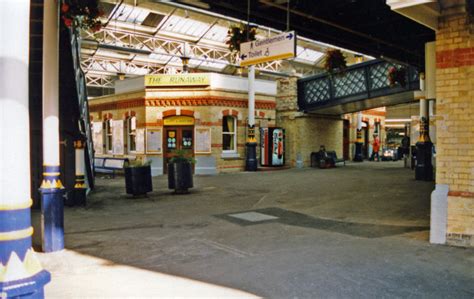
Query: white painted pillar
{"type": "Point", "coordinates": [80, 164]}
{"type": "Point", "coordinates": [14, 115]}
{"type": "Point", "coordinates": [251, 79]}
{"type": "Point", "coordinates": [51, 187]}
{"type": "Point", "coordinates": [359, 121]}
{"type": "Point", "coordinates": [251, 145]}
{"type": "Point", "coordinates": [51, 84]}
{"type": "Point", "coordinates": [21, 274]}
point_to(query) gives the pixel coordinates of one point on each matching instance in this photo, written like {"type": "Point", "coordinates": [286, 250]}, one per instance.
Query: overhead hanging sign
{"type": "Point", "coordinates": [277, 47]}
{"type": "Point", "coordinates": [177, 80]}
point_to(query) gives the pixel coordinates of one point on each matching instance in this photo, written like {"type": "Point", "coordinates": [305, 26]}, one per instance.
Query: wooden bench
{"type": "Point", "coordinates": [333, 155]}
{"type": "Point", "coordinates": [109, 165]}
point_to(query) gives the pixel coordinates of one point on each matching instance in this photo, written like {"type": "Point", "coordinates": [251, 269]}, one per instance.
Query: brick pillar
{"type": "Point", "coordinates": [455, 130]}
{"type": "Point", "coordinates": [304, 132]}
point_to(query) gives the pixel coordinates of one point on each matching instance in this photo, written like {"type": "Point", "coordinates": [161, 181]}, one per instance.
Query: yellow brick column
{"type": "Point", "coordinates": [455, 129]}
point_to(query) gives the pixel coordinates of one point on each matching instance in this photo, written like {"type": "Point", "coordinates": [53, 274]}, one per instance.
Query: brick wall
{"type": "Point", "coordinates": [455, 127]}
{"type": "Point", "coordinates": [304, 132]}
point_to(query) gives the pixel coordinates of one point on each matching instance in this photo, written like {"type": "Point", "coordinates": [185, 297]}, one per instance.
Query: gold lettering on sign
{"type": "Point", "coordinates": [179, 121]}
{"type": "Point", "coordinates": [177, 80]}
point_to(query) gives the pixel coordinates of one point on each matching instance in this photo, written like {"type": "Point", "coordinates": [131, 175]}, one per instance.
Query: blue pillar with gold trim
{"type": "Point", "coordinates": [358, 157]}
{"type": "Point", "coordinates": [21, 274]}
{"type": "Point", "coordinates": [80, 186]}
{"type": "Point", "coordinates": [251, 145]}
{"type": "Point", "coordinates": [52, 202]}
{"type": "Point", "coordinates": [52, 210]}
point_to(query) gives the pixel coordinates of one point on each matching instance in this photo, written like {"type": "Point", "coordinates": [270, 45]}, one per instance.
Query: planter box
{"type": "Point", "coordinates": [138, 180]}
{"type": "Point", "coordinates": [180, 176]}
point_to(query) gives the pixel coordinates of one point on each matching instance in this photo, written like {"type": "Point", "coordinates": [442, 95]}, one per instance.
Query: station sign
{"type": "Point", "coordinates": [277, 47]}
{"type": "Point", "coordinates": [177, 80]}
{"type": "Point", "coordinates": [178, 121]}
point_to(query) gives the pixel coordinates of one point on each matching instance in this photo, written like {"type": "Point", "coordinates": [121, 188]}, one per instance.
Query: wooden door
{"type": "Point", "coordinates": [178, 140]}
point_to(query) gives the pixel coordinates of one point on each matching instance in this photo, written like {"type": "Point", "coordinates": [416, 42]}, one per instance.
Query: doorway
{"type": "Point", "coordinates": [345, 139]}
{"type": "Point", "coordinates": [365, 144]}
{"type": "Point", "coordinates": [178, 140]}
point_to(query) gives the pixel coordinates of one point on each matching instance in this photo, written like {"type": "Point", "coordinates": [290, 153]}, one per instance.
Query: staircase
{"type": "Point", "coordinates": [82, 101]}
{"type": "Point", "coordinates": [74, 114]}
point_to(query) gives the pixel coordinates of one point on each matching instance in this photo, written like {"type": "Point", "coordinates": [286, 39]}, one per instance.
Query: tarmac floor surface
{"type": "Point", "coordinates": [355, 231]}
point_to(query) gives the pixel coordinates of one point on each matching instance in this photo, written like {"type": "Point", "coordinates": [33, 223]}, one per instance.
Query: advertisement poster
{"type": "Point", "coordinates": [117, 137]}
{"type": "Point", "coordinates": [97, 137]}
{"type": "Point", "coordinates": [153, 141]}
{"type": "Point", "coordinates": [203, 141]}
{"type": "Point", "coordinates": [140, 141]}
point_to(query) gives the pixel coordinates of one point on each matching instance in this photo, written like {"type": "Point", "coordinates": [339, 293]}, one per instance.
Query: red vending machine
{"type": "Point", "coordinates": [272, 146]}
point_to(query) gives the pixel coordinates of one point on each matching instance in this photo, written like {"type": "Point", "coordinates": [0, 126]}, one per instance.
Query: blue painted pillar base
{"type": "Point", "coordinates": [424, 167]}
{"type": "Point", "coordinates": [358, 152]}
{"type": "Point", "coordinates": [31, 287]}
{"type": "Point", "coordinates": [52, 219]}
{"type": "Point", "coordinates": [80, 196]}
{"type": "Point", "coordinates": [251, 156]}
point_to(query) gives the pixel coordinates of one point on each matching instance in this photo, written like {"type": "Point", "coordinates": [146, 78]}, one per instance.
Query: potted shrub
{"type": "Point", "coordinates": [138, 177]}
{"type": "Point", "coordinates": [180, 173]}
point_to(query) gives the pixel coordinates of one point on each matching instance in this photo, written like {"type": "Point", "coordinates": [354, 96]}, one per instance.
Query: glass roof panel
{"type": "Point", "coordinates": [307, 55]}
{"type": "Point", "coordinates": [186, 26]}
{"type": "Point", "coordinates": [211, 64]}
{"type": "Point", "coordinates": [217, 33]}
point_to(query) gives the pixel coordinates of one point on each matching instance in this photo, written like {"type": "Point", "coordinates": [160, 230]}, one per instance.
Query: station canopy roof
{"type": "Point", "coordinates": [151, 37]}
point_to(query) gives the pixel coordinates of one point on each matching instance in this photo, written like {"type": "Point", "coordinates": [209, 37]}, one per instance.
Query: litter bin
{"type": "Point", "coordinates": [315, 159]}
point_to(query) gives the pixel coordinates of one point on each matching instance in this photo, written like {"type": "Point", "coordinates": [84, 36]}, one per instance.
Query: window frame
{"type": "Point", "coordinates": [131, 133]}
{"type": "Point", "coordinates": [108, 144]}
{"type": "Point", "coordinates": [233, 151]}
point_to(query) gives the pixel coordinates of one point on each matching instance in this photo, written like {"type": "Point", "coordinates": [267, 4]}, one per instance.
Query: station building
{"type": "Point", "coordinates": [209, 119]}
{"type": "Point", "coordinates": [204, 113]}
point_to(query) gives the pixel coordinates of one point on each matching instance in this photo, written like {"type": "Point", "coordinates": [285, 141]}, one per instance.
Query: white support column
{"type": "Point", "coordinates": [251, 145]}
{"type": "Point", "coordinates": [20, 272]}
{"type": "Point", "coordinates": [52, 203]}
{"type": "Point", "coordinates": [251, 80]}
{"type": "Point", "coordinates": [51, 84]}
{"type": "Point", "coordinates": [14, 115]}
{"type": "Point", "coordinates": [358, 157]}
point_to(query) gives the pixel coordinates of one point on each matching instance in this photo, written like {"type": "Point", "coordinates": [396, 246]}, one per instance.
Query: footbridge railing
{"type": "Point", "coordinates": [359, 82]}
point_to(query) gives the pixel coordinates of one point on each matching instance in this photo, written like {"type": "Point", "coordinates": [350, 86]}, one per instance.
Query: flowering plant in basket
{"type": "Point", "coordinates": [83, 14]}
{"type": "Point", "coordinates": [396, 75]}
{"type": "Point", "coordinates": [236, 35]}
{"type": "Point", "coordinates": [334, 61]}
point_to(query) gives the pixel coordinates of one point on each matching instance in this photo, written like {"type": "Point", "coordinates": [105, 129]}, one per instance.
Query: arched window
{"type": "Point", "coordinates": [108, 142]}
{"type": "Point", "coordinates": [229, 134]}
{"type": "Point", "coordinates": [131, 134]}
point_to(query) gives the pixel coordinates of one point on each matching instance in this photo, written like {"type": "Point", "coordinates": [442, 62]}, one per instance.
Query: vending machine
{"type": "Point", "coordinates": [272, 146]}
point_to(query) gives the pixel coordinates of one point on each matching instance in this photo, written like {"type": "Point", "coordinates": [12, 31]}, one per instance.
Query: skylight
{"type": "Point", "coordinates": [217, 33]}
{"type": "Point", "coordinates": [131, 14]}
{"type": "Point", "coordinates": [307, 55]}
{"type": "Point", "coordinates": [209, 64]}
{"type": "Point", "coordinates": [185, 26]}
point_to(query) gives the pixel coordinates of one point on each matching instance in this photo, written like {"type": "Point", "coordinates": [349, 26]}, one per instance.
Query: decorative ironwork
{"type": "Point", "coordinates": [350, 83]}
{"type": "Point", "coordinates": [362, 81]}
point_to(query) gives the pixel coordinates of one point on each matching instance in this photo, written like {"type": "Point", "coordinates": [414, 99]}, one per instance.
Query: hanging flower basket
{"type": "Point", "coordinates": [82, 14]}
{"type": "Point", "coordinates": [236, 35]}
{"type": "Point", "coordinates": [397, 76]}
{"type": "Point", "coordinates": [335, 62]}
